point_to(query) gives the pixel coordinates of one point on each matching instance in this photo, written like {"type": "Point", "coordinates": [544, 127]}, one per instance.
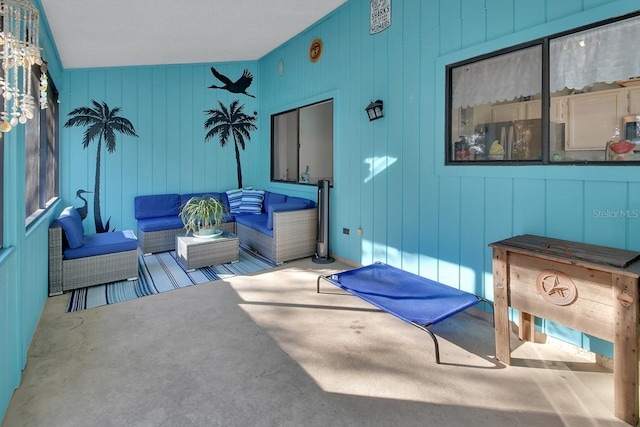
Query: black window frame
{"type": "Point", "coordinates": [297, 110]}
{"type": "Point", "coordinates": [46, 182]}
{"type": "Point", "coordinates": [545, 159]}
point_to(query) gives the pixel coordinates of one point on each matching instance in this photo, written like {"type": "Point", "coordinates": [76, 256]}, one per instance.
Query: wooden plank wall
{"type": "Point", "coordinates": [415, 213]}
{"type": "Point", "coordinates": [166, 105]}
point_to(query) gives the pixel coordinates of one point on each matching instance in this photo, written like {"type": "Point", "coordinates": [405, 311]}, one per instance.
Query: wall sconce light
{"type": "Point", "coordinates": [374, 110]}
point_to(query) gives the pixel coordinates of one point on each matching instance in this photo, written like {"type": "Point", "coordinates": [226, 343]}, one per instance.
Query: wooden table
{"type": "Point", "coordinates": [196, 252]}
{"type": "Point", "coordinates": [590, 288]}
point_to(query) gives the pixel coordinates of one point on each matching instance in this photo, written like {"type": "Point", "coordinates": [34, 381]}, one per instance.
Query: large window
{"type": "Point", "coordinates": [302, 144]}
{"type": "Point", "coordinates": [569, 98]}
{"type": "Point", "coordinates": [41, 146]}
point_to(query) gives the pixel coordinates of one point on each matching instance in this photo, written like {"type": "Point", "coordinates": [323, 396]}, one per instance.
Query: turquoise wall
{"type": "Point", "coordinates": [390, 178]}
{"type": "Point", "coordinates": [166, 105]}
{"type": "Point", "coordinates": [23, 259]}
{"type": "Point", "coordinates": [415, 212]}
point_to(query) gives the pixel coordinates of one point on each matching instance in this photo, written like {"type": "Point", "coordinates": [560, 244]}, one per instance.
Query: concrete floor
{"type": "Point", "coordinates": [267, 350]}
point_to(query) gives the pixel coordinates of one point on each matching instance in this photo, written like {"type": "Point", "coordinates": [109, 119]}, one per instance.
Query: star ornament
{"type": "Point", "coordinates": [556, 287]}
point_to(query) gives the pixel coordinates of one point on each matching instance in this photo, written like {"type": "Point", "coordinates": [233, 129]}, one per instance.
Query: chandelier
{"type": "Point", "coordinates": [19, 35]}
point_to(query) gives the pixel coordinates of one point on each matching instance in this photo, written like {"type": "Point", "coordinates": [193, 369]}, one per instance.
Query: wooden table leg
{"type": "Point", "coordinates": [625, 349]}
{"type": "Point", "coordinates": [527, 329]}
{"type": "Point", "coordinates": [501, 305]}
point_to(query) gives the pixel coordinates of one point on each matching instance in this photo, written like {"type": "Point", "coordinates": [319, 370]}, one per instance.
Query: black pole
{"type": "Point", "coordinates": [322, 243]}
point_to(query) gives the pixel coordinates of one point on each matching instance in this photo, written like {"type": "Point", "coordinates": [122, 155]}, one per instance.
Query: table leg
{"type": "Point", "coordinates": [625, 348]}
{"type": "Point", "coordinates": [527, 329]}
{"type": "Point", "coordinates": [501, 305]}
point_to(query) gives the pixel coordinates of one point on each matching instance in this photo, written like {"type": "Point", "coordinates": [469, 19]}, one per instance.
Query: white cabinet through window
{"type": "Point", "coordinates": [592, 119]}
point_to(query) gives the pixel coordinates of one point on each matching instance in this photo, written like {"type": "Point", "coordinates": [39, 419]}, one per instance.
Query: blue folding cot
{"type": "Point", "coordinates": [412, 298]}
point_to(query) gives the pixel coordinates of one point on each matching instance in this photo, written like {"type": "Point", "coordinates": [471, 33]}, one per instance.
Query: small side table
{"type": "Point", "coordinates": [196, 252]}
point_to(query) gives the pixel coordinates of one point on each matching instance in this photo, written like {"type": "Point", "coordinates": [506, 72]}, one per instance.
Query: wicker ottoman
{"type": "Point", "coordinates": [194, 252]}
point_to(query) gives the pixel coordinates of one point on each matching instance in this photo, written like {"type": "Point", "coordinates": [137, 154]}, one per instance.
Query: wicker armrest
{"type": "Point", "coordinates": [55, 259]}
{"type": "Point", "coordinates": [295, 233]}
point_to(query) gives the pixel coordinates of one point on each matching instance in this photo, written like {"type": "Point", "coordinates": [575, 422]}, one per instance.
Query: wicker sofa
{"type": "Point", "coordinates": [277, 226]}
{"type": "Point", "coordinates": [77, 260]}
{"type": "Point", "coordinates": [159, 221]}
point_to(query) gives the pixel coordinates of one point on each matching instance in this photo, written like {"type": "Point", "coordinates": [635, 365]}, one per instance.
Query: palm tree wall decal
{"type": "Point", "coordinates": [103, 123]}
{"type": "Point", "coordinates": [225, 122]}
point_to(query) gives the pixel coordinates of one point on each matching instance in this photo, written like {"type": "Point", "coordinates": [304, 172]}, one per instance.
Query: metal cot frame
{"type": "Point", "coordinates": [332, 278]}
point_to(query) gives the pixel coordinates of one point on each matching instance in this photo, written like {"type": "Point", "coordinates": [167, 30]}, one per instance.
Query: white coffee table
{"type": "Point", "coordinates": [197, 252]}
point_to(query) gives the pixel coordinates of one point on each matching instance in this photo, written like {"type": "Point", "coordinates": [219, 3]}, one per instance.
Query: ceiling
{"type": "Point", "coordinates": [99, 33]}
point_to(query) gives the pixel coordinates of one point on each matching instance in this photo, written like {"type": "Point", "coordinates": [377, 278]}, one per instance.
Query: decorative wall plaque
{"type": "Point", "coordinates": [380, 16]}
{"type": "Point", "coordinates": [556, 287]}
{"type": "Point", "coordinates": [315, 50]}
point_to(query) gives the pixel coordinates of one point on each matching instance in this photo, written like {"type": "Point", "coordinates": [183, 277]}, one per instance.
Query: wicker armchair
{"type": "Point", "coordinates": [69, 274]}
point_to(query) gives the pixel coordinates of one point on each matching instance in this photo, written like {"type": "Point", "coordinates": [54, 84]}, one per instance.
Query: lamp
{"type": "Point", "coordinates": [374, 110]}
{"type": "Point", "coordinates": [19, 32]}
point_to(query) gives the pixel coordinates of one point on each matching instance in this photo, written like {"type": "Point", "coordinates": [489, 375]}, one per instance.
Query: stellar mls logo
{"type": "Point", "coordinates": [616, 213]}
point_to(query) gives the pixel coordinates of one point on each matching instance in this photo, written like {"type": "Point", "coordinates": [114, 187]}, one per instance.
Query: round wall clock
{"type": "Point", "coordinates": [315, 50]}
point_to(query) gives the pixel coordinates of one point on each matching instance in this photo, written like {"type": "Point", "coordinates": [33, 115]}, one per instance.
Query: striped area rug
{"type": "Point", "coordinates": [160, 273]}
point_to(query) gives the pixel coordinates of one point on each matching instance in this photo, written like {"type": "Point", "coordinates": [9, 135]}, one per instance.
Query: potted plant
{"type": "Point", "coordinates": [203, 216]}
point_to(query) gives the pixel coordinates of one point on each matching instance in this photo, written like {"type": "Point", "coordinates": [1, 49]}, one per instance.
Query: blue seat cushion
{"type": "Point", "coordinates": [261, 226]}
{"type": "Point", "coordinates": [309, 203]}
{"type": "Point", "coordinates": [157, 206]}
{"type": "Point", "coordinates": [256, 222]}
{"type": "Point", "coordinates": [271, 198]}
{"type": "Point", "coordinates": [104, 243]}
{"type": "Point", "coordinates": [160, 223]}
{"type": "Point", "coordinates": [229, 217]}
{"type": "Point", "coordinates": [248, 219]}
{"type": "Point", "coordinates": [281, 207]}
{"type": "Point", "coordinates": [71, 223]}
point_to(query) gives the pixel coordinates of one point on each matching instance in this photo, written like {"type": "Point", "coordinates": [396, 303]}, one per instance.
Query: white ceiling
{"type": "Point", "coordinates": [106, 33]}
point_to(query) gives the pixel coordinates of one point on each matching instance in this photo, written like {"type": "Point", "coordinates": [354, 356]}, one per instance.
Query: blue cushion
{"type": "Point", "coordinates": [256, 222]}
{"type": "Point", "coordinates": [280, 207]}
{"type": "Point", "coordinates": [235, 198]}
{"type": "Point", "coordinates": [104, 243]}
{"type": "Point", "coordinates": [71, 223]}
{"type": "Point", "coordinates": [157, 205]}
{"type": "Point", "coordinates": [249, 219]}
{"type": "Point", "coordinates": [261, 225]}
{"type": "Point", "coordinates": [271, 198]}
{"type": "Point", "coordinates": [160, 223]}
{"type": "Point", "coordinates": [229, 217]}
{"type": "Point", "coordinates": [309, 203]}
{"type": "Point", "coordinates": [251, 201]}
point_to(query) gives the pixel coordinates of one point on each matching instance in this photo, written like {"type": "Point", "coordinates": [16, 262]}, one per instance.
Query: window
{"type": "Point", "coordinates": [302, 144]}
{"type": "Point", "coordinates": [568, 98]}
{"type": "Point", "coordinates": [41, 153]}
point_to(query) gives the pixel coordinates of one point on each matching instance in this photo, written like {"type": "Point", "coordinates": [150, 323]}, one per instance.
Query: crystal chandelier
{"type": "Point", "coordinates": [19, 32]}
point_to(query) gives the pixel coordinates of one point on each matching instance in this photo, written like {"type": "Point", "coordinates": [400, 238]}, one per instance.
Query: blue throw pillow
{"type": "Point", "coordinates": [251, 201]}
{"type": "Point", "coordinates": [235, 199]}
{"type": "Point", "coordinates": [71, 223]}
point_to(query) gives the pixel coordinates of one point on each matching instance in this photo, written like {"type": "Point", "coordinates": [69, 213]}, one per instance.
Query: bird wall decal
{"type": "Point", "coordinates": [239, 86]}
{"type": "Point", "coordinates": [83, 210]}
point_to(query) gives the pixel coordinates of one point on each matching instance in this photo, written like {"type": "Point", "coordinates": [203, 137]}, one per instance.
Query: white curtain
{"type": "Point", "coordinates": [600, 55]}
{"type": "Point", "coordinates": [500, 78]}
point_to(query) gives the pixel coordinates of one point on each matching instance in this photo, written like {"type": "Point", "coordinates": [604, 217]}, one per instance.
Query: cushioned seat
{"type": "Point", "coordinates": [79, 261]}
{"type": "Point", "coordinates": [104, 243]}
{"type": "Point", "coordinates": [160, 223]}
